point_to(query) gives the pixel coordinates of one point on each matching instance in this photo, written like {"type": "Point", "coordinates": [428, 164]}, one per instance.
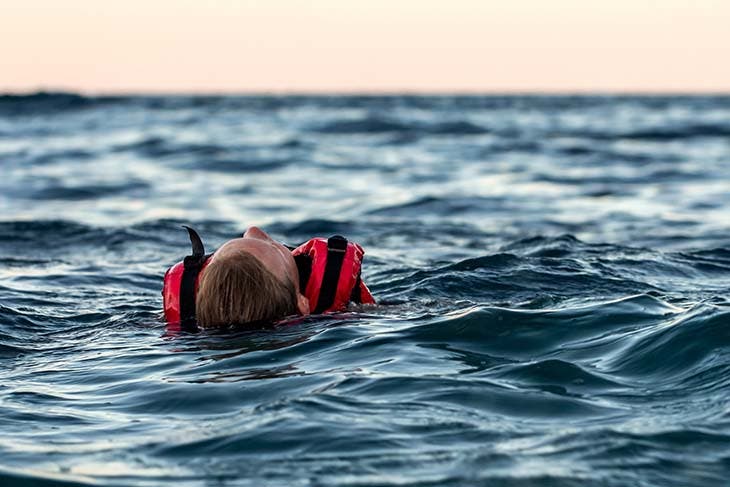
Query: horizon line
{"type": "Point", "coordinates": [364, 92]}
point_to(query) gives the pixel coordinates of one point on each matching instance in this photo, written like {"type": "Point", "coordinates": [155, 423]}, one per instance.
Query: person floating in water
{"type": "Point", "coordinates": [256, 280]}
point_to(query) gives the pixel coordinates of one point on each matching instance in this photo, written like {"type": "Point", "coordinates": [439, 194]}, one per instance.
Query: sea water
{"type": "Point", "coordinates": [553, 274]}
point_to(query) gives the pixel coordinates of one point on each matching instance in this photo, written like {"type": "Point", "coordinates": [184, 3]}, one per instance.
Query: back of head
{"type": "Point", "coordinates": [237, 289]}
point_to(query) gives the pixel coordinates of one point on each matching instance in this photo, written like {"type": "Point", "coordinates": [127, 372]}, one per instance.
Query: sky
{"type": "Point", "coordinates": [240, 46]}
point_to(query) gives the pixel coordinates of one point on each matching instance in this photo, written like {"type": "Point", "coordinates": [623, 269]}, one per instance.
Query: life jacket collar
{"type": "Point", "coordinates": [198, 249]}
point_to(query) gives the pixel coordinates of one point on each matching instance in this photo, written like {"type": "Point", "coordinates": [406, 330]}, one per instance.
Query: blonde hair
{"type": "Point", "coordinates": [237, 289]}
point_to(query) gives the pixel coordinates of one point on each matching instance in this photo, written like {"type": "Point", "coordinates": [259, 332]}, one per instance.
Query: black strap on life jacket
{"type": "Point", "coordinates": [336, 248]}
{"type": "Point", "coordinates": [304, 266]}
{"type": "Point", "coordinates": [192, 264]}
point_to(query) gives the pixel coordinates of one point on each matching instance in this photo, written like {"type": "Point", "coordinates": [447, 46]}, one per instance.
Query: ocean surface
{"type": "Point", "coordinates": [553, 274]}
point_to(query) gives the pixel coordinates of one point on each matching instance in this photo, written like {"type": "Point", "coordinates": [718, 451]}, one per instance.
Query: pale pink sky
{"type": "Point", "coordinates": [367, 46]}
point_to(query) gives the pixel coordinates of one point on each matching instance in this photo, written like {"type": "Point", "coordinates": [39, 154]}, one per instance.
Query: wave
{"type": "Point", "coordinates": [157, 147]}
{"type": "Point", "coordinates": [680, 131]}
{"type": "Point", "coordinates": [224, 158]}
{"type": "Point", "coordinates": [690, 340]}
{"type": "Point", "coordinates": [235, 165]}
{"type": "Point", "coordinates": [675, 133]}
{"type": "Point", "coordinates": [56, 191]}
{"type": "Point", "coordinates": [537, 271]}
{"type": "Point", "coordinates": [314, 227]}
{"type": "Point", "coordinates": [44, 102]}
{"type": "Point", "coordinates": [655, 176]}
{"type": "Point", "coordinates": [375, 125]}
{"type": "Point", "coordinates": [443, 206]}
{"type": "Point", "coordinates": [596, 349]}
{"type": "Point", "coordinates": [26, 478]}
{"type": "Point", "coordinates": [369, 125]}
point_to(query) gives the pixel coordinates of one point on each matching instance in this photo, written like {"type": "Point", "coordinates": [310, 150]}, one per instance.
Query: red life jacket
{"type": "Point", "coordinates": [329, 276]}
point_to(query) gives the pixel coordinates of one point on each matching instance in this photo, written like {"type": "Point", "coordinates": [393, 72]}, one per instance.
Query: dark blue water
{"type": "Point", "coordinates": [554, 274]}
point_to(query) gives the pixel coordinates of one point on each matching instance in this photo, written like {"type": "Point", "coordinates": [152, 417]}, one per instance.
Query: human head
{"type": "Point", "coordinates": [249, 279]}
